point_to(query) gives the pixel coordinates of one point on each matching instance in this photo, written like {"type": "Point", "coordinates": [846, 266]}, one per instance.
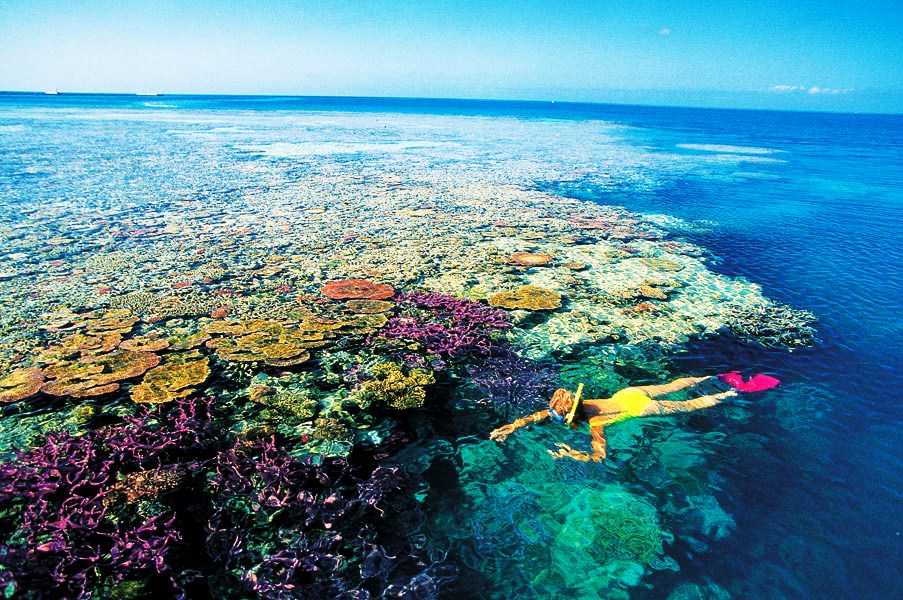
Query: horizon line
{"type": "Point", "coordinates": [148, 94]}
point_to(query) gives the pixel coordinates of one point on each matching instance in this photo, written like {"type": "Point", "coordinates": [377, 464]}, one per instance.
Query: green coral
{"type": "Point", "coordinates": [612, 525]}
{"type": "Point", "coordinates": [332, 430]}
{"type": "Point", "coordinates": [290, 405]}
{"type": "Point", "coordinates": [396, 389]}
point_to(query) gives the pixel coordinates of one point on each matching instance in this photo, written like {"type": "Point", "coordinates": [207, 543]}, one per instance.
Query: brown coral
{"type": "Point", "coordinates": [344, 289]}
{"type": "Point", "coordinates": [96, 375]}
{"type": "Point", "coordinates": [21, 383]}
{"type": "Point", "coordinates": [662, 264]}
{"type": "Point", "coordinates": [527, 297]}
{"type": "Point", "coordinates": [145, 343]}
{"type": "Point", "coordinates": [260, 340]}
{"type": "Point", "coordinates": [143, 484]}
{"type": "Point", "coordinates": [173, 379]}
{"type": "Point", "coordinates": [530, 259]}
{"type": "Point", "coordinates": [367, 307]}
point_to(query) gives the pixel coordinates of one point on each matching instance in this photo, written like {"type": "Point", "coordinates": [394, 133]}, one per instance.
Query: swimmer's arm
{"type": "Point", "coordinates": [598, 434]}
{"type": "Point", "coordinates": [504, 431]}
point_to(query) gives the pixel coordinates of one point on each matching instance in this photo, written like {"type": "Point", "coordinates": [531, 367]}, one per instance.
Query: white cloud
{"type": "Point", "coordinates": [664, 31]}
{"type": "Point", "coordinates": [783, 89]}
{"type": "Point", "coordinates": [814, 90]}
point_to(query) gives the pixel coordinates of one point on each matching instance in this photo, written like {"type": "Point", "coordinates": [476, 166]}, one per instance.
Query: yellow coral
{"type": "Point", "coordinates": [96, 375]}
{"type": "Point", "coordinates": [527, 297]}
{"type": "Point", "coordinates": [398, 390]}
{"type": "Point", "coordinates": [20, 384]}
{"type": "Point", "coordinates": [173, 379]}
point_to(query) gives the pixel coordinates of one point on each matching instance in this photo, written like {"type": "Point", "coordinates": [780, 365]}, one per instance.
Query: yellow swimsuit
{"type": "Point", "coordinates": [630, 403]}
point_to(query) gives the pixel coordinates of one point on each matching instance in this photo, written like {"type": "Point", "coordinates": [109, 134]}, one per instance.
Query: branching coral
{"type": "Point", "coordinates": [76, 520]}
{"type": "Point", "coordinates": [446, 326]}
{"type": "Point", "coordinates": [293, 528]}
{"type": "Point", "coordinates": [514, 385]}
{"type": "Point", "coordinates": [68, 539]}
{"type": "Point", "coordinates": [773, 324]}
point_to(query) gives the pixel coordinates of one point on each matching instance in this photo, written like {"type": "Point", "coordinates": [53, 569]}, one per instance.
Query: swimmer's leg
{"type": "Point", "coordinates": [661, 407]}
{"type": "Point", "coordinates": [678, 384]}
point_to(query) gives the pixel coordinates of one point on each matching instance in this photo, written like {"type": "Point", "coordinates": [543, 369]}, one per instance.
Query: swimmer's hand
{"type": "Point", "coordinates": [500, 434]}
{"type": "Point", "coordinates": [569, 452]}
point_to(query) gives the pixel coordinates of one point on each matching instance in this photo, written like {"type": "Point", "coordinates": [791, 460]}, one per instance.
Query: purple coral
{"type": "Point", "coordinates": [275, 526]}
{"type": "Point", "coordinates": [294, 528]}
{"type": "Point", "coordinates": [66, 536]}
{"type": "Point", "coordinates": [513, 384]}
{"type": "Point", "coordinates": [452, 327]}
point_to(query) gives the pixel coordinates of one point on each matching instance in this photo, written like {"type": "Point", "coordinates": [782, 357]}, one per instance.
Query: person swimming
{"type": "Point", "coordinates": [634, 401]}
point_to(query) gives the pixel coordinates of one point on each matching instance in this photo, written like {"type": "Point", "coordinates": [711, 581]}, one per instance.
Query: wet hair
{"type": "Point", "coordinates": [561, 403]}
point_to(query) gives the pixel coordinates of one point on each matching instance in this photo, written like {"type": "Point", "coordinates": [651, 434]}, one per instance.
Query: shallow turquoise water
{"type": "Point", "coordinates": [790, 494]}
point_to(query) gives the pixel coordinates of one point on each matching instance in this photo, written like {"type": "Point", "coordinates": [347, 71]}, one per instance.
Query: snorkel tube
{"type": "Point", "coordinates": [573, 411]}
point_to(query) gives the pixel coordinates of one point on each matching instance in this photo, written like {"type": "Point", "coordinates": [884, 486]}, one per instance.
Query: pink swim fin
{"type": "Point", "coordinates": [756, 383]}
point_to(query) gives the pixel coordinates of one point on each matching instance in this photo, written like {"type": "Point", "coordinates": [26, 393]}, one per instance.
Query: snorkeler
{"type": "Point", "coordinates": [636, 401]}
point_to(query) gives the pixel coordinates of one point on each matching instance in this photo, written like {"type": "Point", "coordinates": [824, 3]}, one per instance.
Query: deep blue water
{"type": "Point", "coordinates": [818, 225]}
{"type": "Point", "coordinates": [822, 232]}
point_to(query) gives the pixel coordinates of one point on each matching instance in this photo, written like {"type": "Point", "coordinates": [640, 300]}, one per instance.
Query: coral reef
{"type": "Point", "coordinates": [175, 379]}
{"type": "Point", "coordinates": [21, 383]}
{"type": "Point", "coordinates": [333, 430]}
{"type": "Point", "coordinates": [357, 289]}
{"type": "Point", "coordinates": [613, 525]}
{"type": "Point", "coordinates": [290, 405]}
{"type": "Point", "coordinates": [68, 538]}
{"type": "Point", "coordinates": [396, 389]}
{"type": "Point", "coordinates": [773, 324]}
{"type": "Point", "coordinates": [530, 259]}
{"type": "Point", "coordinates": [94, 375]}
{"type": "Point", "coordinates": [527, 297]}
{"type": "Point", "coordinates": [367, 306]}
{"type": "Point", "coordinates": [513, 385]}
{"type": "Point", "coordinates": [446, 326]}
{"type": "Point", "coordinates": [92, 516]}
{"type": "Point", "coordinates": [262, 341]}
{"type": "Point", "coordinates": [662, 264]}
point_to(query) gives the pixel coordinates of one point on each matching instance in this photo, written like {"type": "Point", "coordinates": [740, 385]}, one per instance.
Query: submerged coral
{"type": "Point", "coordinates": [446, 326]}
{"type": "Point", "coordinates": [68, 539]}
{"type": "Point", "coordinates": [397, 389]}
{"type": "Point", "coordinates": [357, 289]}
{"type": "Point", "coordinates": [527, 297]}
{"type": "Point", "coordinates": [96, 375]}
{"type": "Point", "coordinates": [514, 385]}
{"type": "Point", "coordinates": [21, 383]}
{"type": "Point", "coordinates": [662, 264]}
{"type": "Point", "coordinates": [93, 515]}
{"type": "Point", "coordinates": [290, 405]}
{"type": "Point", "coordinates": [530, 259]}
{"type": "Point", "coordinates": [773, 324]}
{"type": "Point", "coordinates": [174, 379]}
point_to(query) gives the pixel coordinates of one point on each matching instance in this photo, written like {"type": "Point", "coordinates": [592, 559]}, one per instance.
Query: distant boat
{"type": "Point", "coordinates": [147, 94]}
{"type": "Point", "coordinates": [53, 92]}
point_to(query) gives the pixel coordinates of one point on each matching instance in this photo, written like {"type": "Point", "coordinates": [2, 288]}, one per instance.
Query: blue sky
{"type": "Point", "coordinates": [825, 55]}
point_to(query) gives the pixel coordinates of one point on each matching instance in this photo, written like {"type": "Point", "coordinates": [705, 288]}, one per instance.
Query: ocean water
{"type": "Point", "coordinates": [255, 203]}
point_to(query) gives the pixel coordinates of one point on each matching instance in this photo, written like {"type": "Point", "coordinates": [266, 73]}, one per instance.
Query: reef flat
{"type": "Point", "coordinates": [260, 358]}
